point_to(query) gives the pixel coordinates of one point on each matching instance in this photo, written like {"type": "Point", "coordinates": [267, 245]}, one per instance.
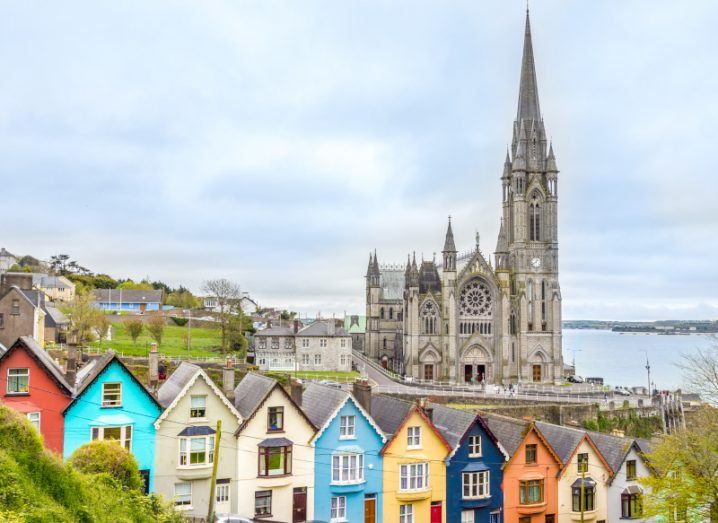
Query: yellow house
{"type": "Point", "coordinates": [414, 469]}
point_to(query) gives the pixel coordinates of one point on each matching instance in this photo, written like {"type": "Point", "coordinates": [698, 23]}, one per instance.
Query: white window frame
{"type": "Point", "coordinates": [34, 422]}
{"type": "Point", "coordinates": [477, 483]}
{"type": "Point", "coordinates": [322, 342]}
{"type": "Point", "coordinates": [347, 468]}
{"type": "Point", "coordinates": [468, 516]}
{"type": "Point", "coordinates": [124, 440]}
{"type": "Point", "coordinates": [338, 509]}
{"type": "Point", "coordinates": [347, 427]}
{"type": "Point", "coordinates": [305, 359]}
{"type": "Point", "coordinates": [343, 359]}
{"type": "Point", "coordinates": [317, 359]}
{"type": "Point", "coordinates": [305, 342]}
{"type": "Point", "coordinates": [112, 403]}
{"type": "Point", "coordinates": [413, 477]}
{"type": "Point", "coordinates": [192, 408]}
{"type": "Point", "coordinates": [406, 513]}
{"type": "Point", "coordinates": [184, 446]}
{"type": "Point", "coordinates": [27, 386]}
{"type": "Point", "coordinates": [183, 505]}
{"type": "Point", "coordinates": [473, 451]}
{"type": "Point", "coordinates": [223, 493]}
{"type": "Point", "coordinates": [344, 342]}
{"type": "Point", "coordinates": [413, 438]}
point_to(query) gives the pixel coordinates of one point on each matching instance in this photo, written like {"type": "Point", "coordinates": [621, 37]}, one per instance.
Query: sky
{"type": "Point", "coordinates": [277, 143]}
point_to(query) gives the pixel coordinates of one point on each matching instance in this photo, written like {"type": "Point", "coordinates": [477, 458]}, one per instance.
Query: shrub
{"type": "Point", "coordinates": [108, 457]}
{"type": "Point", "coordinates": [156, 327]}
{"type": "Point", "coordinates": [179, 321]}
{"type": "Point", "coordinates": [134, 329]}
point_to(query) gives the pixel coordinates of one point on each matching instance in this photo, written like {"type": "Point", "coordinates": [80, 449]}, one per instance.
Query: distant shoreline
{"type": "Point", "coordinates": [664, 327]}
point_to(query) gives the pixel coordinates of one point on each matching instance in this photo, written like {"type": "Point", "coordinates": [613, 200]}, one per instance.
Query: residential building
{"type": "Point", "coordinates": [322, 345]}
{"type": "Point", "coordinates": [7, 260]}
{"type": "Point", "coordinates": [56, 288]}
{"type": "Point", "coordinates": [466, 319]}
{"type": "Point", "coordinates": [111, 404]}
{"type": "Point", "coordinates": [33, 384]}
{"type": "Point", "coordinates": [275, 457]}
{"type": "Point", "coordinates": [584, 475]}
{"type": "Point", "coordinates": [126, 300]}
{"type": "Point", "coordinates": [355, 326]}
{"type": "Point", "coordinates": [185, 440]}
{"type": "Point", "coordinates": [347, 455]}
{"type": "Point", "coordinates": [248, 305]}
{"type": "Point", "coordinates": [531, 475]}
{"type": "Point", "coordinates": [413, 463]}
{"type": "Point", "coordinates": [274, 348]}
{"type": "Point", "coordinates": [20, 316]}
{"type": "Point", "coordinates": [474, 467]}
{"type": "Point", "coordinates": [625, 492]}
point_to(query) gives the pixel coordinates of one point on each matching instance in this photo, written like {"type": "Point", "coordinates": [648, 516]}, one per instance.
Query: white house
{"type": "Point", "coordinates": [625, 493]}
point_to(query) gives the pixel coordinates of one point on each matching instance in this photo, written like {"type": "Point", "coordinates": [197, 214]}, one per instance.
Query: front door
{"type": "Point", "coordinates": [370, 508]}
{"type": "Point", "coordinates": [384, 362]}
{"type": "Point", "coordinates": [468, 372]}
{"type": "Point", "coordinates": [480, 372]}
{"type": "Point", "coordinates": [537, 372]}
{"type": "Point", "coordinates": [222, 495]}
{"type": "Point", "coordinates": [299, 512]}
{"type": "Point", "coordinates": [436, 512]}
{"type": "Point", "coordinates": [145, 475]}
{"type": "Point", "coordinates": [429, 371]}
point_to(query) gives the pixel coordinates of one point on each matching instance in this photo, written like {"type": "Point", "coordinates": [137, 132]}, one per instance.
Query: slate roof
{"type": "Point", "coordinates": [388, 412]}
{"type": "Point", "coordinates": [392, 283]}
{"type": "Point", "coordinates": [44, 359]}
{"type": "Point", "coordinates": [429, 280]}
{"type": "Point", "coordinates": [563, 440]}
{"type": "Point", "coordinates": [175, 383]}
{"type": "Point", "coordinates": [251, 392]}
{"type": "Point", "coordinates": [644, 445]}
{"type": "Point", "coordinates": [55, 317]}
{"type": "Point", "coordinates": [509, 431]}
{"type": "Point", "coordinates": [452, 423]}
{"type": "Point", "coordinates": [91, 370]}
{"type": "Point", "coordinates": [321, 328]}
{"type": "Point", "coordinates": [276, 331]}
{"type": "Point", "coordinates": [127, 296]}
{"type": "Point", "coordinates": [319, 402]}
{"type": "Point", "coordinates": [612, 448]}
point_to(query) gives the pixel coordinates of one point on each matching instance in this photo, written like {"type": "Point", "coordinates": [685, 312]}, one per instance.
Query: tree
{"type": "Point", "coordinates": [134, 329]}
{"type": "Point", "coordinates": [84, 316]}
{"type": "Point", "coordinates": [131, 285]}
{"type": "Point", "coordinates": [182, 299]}
{"type": "Point", "coordinates": [685, 479]}
{"type": "Point", "coordinates": [227, 295]}
{"type": "Point", "coordinates": [108, 457]}
{"type": "Point", "coordinates": [156, 328]}
{"type": "Point", "coordinates": [700, 371]}
{"type": "Point", "coordinates": [103, 326]}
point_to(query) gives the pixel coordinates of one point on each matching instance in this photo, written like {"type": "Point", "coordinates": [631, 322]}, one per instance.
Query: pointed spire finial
{"type": "Point", "coordinates": [449, 244]}
{"type": "Point", "coordinates": [528, 107]}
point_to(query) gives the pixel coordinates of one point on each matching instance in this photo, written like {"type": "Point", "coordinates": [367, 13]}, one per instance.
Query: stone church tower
{"type": "Point", "coordinates": [466, 320]}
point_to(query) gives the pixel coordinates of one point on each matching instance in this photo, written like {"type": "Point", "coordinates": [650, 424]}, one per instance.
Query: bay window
{"type": "Point", "coordinates": [347, 468]}
{"type": "Point", "coordinates": [589, 496]}
{"type": "Point", "coordinates": [414, 476]}
{"type": "Point", "coordinates": [631, 505]}
{"type": "Point", "coordinates": [530, 491]}
{"type": "Point", "coordinates": [196, 451]}
{"type": "Point", "coordinates": [475, 484]}
{"type": "Point", "coordinates": [275, 461]}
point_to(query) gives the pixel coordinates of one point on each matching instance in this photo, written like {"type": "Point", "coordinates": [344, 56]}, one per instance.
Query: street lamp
{"type": "Point", "coordinates": [648, 370]}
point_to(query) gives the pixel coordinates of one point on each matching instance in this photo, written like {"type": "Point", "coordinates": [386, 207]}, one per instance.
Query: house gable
{"type": "Point", "coordinates": [357, 406]}
{"type": "Point", "coordinates": [415, 416]}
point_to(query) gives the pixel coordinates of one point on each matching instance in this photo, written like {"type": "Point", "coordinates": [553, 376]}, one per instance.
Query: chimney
{"type": "Point", "coordinates": [154, 366]}
{"type": "Point", "coordinates": [295, 388]}
{"type": "Point", "coordinates": [71, 368]}
{"type": "Point", "coordinates": [423, 404]}
{"type": "Point", "coordinates": [296, 326]}
{"type": "Point", "coordinates": [228, 379]}
{"type": "Point", "coordinates": [331, 327]}
{"type": "Point", "coordinates": [361, 390]}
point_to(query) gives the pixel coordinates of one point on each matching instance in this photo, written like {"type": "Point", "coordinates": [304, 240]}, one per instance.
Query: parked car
{"type": "Point", "coordinates": [232, 518]}
{"type": "Point", "coordinates": [621, 391]}
{"type": "Point", "coordinates": [575, 379]}
{"type": "Point", "coordinates": [330, 383]}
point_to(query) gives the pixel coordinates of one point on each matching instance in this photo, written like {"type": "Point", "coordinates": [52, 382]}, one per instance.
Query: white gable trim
{"type": "Point", "coordinates": [186, 389]}
{"type": "Point", "coordinates": [336, 411]}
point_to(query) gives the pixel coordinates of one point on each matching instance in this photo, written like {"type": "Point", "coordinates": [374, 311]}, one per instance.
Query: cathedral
{"type": "Point", "coordinates": [466, 320]}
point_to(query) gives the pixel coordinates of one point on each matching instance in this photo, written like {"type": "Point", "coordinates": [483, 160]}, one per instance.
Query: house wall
{"type": "Point", "coordinates": [596, 471]}
{"type": "Point", "coordinates": [492, 459]}
{"type": "Point", "coordinates": [137, 409]}
{"type": "Point", "coordinates": [370, 441]}
{"type": "Point", "coordinates": [30, 321]}
{"type": "Point", "coordinates": [517, 470]}
{"type": "Point", "coordinates": [166, 457]}
{"type": "Point", "coordinates": [125, 306]}
{"type": "Point", "coordinates": [396, 453]}
{"type": "Point", "coordinates": [331, 355]}
{"type": "Point", "coordinates": [620, 483]}
{"type": "Point", "coordinates": [300, 432]}
{"type": "Point", "coordinates": [45, 396]}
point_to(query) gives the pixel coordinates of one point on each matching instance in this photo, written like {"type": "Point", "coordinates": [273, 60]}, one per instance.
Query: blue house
{"type": "Point", "coordinates": [128, 300]}
{"type": "Point", "coordinates": [347, 454]}
{"type": "Point", "coordinates": [473, 468]}
{"type": "Point", "coordinates": [110, 403]}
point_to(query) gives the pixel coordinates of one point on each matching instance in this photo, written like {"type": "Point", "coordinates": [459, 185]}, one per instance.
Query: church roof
{"type": "Point", "coordinates": [391, 282]}
{"type": "Point", "coordinates": [429, 280]}
{"type": "Point", "coordinates": [528, 107]}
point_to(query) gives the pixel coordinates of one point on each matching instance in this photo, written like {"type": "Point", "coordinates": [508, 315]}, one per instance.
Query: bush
{"type": "Point", "coordinates": [108, 457]}
{"type": "Point", "coordinates": [181, 322]}
{"type": "Point", "coordinates": [156, 328]}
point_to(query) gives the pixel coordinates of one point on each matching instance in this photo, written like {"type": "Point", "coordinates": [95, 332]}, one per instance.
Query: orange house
{"type": "Point", "coordinates": [530, 481]}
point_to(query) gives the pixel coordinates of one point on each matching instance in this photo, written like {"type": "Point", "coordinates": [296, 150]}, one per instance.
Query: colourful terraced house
{"type": "Point", "coordinates": [347, 455]}
{"type": "Point", "coordinates": [474, 467]}
{"type": "Point", "coordinates": [111, 404]}
{"type": "Point", "coordinates": [413, 462]}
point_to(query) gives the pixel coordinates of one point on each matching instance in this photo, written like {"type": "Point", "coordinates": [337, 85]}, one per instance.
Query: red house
{"type": "Point", "coordinates": [32, 383]}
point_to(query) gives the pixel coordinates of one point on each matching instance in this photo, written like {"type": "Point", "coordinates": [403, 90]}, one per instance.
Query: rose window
{"type": "Point", "coordinates": [475, 299]}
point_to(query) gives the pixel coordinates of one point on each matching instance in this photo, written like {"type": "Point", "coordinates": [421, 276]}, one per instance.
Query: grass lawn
{"type": "Point", "coordinates": [324, 375]}
{"type": "Point", "coordinates": [205, 342]}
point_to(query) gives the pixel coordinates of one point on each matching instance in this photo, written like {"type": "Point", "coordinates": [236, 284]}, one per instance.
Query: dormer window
{"type": "Point", "coordinates": [413, 437]}
{"type": "Point", "coordinates": [474, 446]}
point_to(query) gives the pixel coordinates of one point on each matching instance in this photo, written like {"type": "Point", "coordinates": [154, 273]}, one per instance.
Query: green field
{"type": "Point", "coordinates": [204, 342]}
{"type": "Point", "coordinates": [324, 375]}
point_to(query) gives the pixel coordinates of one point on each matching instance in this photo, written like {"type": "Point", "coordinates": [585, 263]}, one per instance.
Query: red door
{"type": "Point", "coordinates": [436, 512]}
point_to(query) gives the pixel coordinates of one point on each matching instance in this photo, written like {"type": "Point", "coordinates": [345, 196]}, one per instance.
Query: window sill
{"type": "Point", "coordinates": [17, 394]}
{"type": "Point", "coordinates": [476, 455]}
{"type": "Point", "coordinates": [198, 420]}
{"type": "Point", "coordinates": [111, 406]}
{"type": "Point", "coordinates": [184, 507]}
{"type": "Point", "coordinates": [476, 498]}
{"type": "Point", "coordinates": [262, 516]}
{"type": "Point", "coordinates": [275, 431]}
{"type": "Point", "coordinates": [347, 437]}
{"type": "Point", "coordinates": [414, 447]}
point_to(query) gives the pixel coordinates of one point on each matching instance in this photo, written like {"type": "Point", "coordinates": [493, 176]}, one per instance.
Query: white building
{"type": "Point", "coordinates": [625, 493]}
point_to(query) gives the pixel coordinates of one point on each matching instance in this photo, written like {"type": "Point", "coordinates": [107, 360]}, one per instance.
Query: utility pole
{"type": "Point", "coordinates": [648, 370]}
{"type": "Point", "coordinates": [583, 491]}
{"type": "Point", "coordinates": [189, 333]}
{"type": "Point", "coordinates": [218, 434]}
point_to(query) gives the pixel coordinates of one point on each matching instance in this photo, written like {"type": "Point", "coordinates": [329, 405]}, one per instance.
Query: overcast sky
{"type": "Point", "coordinates": [277, 143]}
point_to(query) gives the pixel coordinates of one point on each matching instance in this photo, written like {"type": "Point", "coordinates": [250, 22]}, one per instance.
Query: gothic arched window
{"type": "Point", "coordinates": [530, 300]}
{"type": "Point", "coordinates": [381, 313]}
{"type": "Point", "coordinates": [429, 316]}
{"type": "Point", "coordinates": [543, 305]}
{"type": "Point", "coordinates": [535, 219]}
{"type": "Point", "coordinates": [384, 343]}
{"type": "Point", "coordinates": [512, 323]}
{"type": "Point", "coordinates": [391, 313]}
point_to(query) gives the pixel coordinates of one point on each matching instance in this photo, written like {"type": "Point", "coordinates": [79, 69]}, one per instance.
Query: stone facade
{"type": "Point", "coordinates": [466, 320]}
{"type": "Point", "coordinates": [20, 317]}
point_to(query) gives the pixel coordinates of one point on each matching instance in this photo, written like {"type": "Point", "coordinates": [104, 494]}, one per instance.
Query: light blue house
{"type": "Point", "coordinates": [128, 300]}
{"type": "Point", "coordinates": [347, 455]}
{"type": "Point", "coordinates": [110, 403]}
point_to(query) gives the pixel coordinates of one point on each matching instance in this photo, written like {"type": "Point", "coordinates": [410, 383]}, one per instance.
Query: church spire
{"type": "Point", "coordinates": [528, 108]}
{"type": "Point", "coordinates": [449, 245]}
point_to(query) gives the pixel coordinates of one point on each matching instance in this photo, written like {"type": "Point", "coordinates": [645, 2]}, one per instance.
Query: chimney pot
{"type": "Point", "coordinates": [153, 362]}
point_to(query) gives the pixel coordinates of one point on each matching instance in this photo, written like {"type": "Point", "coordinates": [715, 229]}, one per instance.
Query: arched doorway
{"type": "Point", "coordinates": [538, 367]}
{"type": "Point", "coordinates": [428, 363]}
{"type": "Point", "coordinates": [476, 365]}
